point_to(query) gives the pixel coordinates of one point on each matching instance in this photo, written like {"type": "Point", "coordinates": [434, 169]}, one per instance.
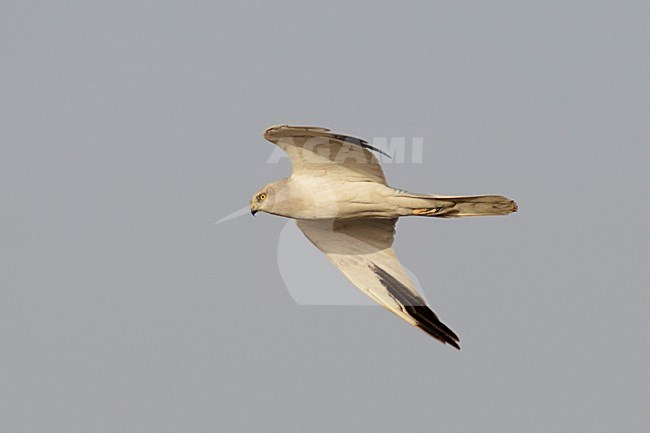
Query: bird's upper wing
{"type": "Point", "coordinates": [362, 250]}
{"type": "Point", "coordinates": [318, 152]}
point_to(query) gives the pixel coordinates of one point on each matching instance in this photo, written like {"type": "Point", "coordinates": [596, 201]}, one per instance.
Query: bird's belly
{"type": "Point", "coordinates": [349, 200]}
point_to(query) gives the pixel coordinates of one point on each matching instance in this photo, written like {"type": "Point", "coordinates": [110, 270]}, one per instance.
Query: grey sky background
{"type": "Point", "coordinates": [128, 128]}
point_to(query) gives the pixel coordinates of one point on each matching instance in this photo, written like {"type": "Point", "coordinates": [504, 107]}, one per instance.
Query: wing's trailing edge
{"type": "Point", "coordinates": [415, 307]}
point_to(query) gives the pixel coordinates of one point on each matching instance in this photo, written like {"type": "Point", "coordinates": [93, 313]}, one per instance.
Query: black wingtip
{"type": "Point", "coordinates": [359, 142]}
{"type": "Point", "coordinates": [416, 308]}
{"type": "Point", "coordinates": [452, 342]}
{"type": "Point", "coordinates": [429, 323]}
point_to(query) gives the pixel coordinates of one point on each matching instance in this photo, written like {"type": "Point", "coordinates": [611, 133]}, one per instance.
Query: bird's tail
{"type": "Point", "coordinates": [453, 206]}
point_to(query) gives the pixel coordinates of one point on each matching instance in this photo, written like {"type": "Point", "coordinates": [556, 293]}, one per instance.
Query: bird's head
{"type": "Point", "coordinates": [263, 200]}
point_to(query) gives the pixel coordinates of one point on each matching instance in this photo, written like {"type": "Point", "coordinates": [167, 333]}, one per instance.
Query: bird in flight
{"type": "Point", "coordinates": [338, 196]}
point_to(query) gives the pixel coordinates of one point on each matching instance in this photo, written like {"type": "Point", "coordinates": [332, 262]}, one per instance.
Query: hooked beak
{"type": "Point", "coordinates": [253, 212]}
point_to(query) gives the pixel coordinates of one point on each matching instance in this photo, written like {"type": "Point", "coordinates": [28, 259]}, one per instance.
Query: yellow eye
{"type": "Point", "coordinates": [261, 197]}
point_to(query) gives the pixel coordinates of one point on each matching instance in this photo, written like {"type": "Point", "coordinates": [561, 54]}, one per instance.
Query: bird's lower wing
{"type": "Point", "coordinates": [362, 250]}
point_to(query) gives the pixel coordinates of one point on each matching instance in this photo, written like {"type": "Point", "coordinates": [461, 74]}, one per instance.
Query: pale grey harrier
{"type": "Point", "coordinates": [338, 195]}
